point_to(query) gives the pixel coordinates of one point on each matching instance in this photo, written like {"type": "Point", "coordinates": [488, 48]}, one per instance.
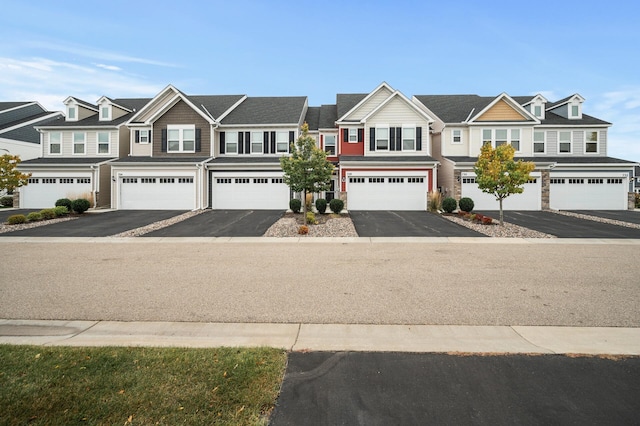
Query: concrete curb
{"type": "Point", "coordinates": [328, 337]}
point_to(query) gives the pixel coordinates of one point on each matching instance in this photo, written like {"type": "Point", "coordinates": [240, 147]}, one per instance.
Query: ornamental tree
{"type": "Point", "coordinates": [10, 177]}
{"type": "Point", "coordinates": [498, 174]}
{"type": "Point", "coordinates": [307, 169]}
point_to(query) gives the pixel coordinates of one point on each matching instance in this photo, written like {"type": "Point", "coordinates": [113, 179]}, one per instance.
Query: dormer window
{"type": "Point", "coordinates": [105, 113]}
{"type": "Point", "coordinates": [72, 113]}
{"type": "Point", "coordinates": [537, 110]}
{"type": "Point", "coordinates": [575, 111]}
{"type": "Point", "coordinates": [538, 106]}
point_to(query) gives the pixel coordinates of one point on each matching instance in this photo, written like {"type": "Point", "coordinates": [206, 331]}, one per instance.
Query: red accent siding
{"type": "Point", "coordinates": [347, 148]}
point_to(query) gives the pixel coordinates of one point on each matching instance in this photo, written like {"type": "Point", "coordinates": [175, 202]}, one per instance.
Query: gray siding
{"type": "Point", "coordinates": [181, 113]}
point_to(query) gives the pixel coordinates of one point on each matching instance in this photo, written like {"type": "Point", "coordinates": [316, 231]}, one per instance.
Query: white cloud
{"type": "Point", "coordinates": [108, 67]}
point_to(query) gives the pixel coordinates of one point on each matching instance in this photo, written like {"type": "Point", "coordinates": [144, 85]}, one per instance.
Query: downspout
{"type": "Point", "coordinates": [94, 185]}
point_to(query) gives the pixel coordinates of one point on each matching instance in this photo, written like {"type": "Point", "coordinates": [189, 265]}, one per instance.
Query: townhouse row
{"type": "Point", "coordinates": [177, 151]}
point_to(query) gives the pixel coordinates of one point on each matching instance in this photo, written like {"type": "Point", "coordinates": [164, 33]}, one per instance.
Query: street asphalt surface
{"type": "Point", "coordinates": [565, 226]}
{"type": "Point", "coordinates": [327, 388]}
{"type": "Point", "coordinates": [475, 283]}
{"type": "Point", "coordinates": [407, 224]}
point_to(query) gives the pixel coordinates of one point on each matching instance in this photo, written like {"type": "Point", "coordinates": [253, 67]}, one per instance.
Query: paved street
{"type": "Point", "coordinates": [404, 282]}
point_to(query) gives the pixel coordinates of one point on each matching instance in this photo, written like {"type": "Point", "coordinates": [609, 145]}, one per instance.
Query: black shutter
{"type": "Point", "coordinates": [198, 140]}
{"type": "Point", "coordinates": [392, 138]}
{"type": "Point", "coordinates": [398, 138]}
{"type": "Point", "coordinates": [163, 147]}
{"type": "Point", "coordinates": [292, 137]}
{"type": "Point", "coordinates": [137, 136]}
{"type": "Point", "coordinates": [419, 138]}
{"type": "Point", "coordinates": [265, 142]}
{"type": "Point", "coordinates": [372, 139]}
{"type": "Point", "coordinates": [360, 135]}
{"type": "Point", "coordinates": [345, 135]}
{"type": "Point", "coordinates": [222, 143]}
{"type": "Point", "coordinates": [240, 143]}
{"type": "Point", "coordinates": [273, 142]}
{"type": "Point", "coordinates": [247, 142]}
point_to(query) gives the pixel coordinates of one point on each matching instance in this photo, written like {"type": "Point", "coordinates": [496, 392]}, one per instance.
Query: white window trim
{"type": "Point", "coordinates": [108, 116]}
{"type": "Point", "coordinates": [378, 128]}
{"type": "Point", "coordinates": [544, 142]}
{"type": "Point", "coordinates": [285, 141]}
{"type": "Point", "coordinates": [227, 142]}
{"type": "Point", "coordinates": [59, 143]}
{"type": "Point", "coordinates": [256, 142]}
{"type": "Point", "coordinates": [148, 132]}
{"type": "Point", "coordinates": [108, 144]}
{"type": "Point", "coordinates": [570, 110]}
{"type": "Point", "coordinates": [570, 142]}
{"type": "Point", "coordinates": [453, 141]}
{"type": "Point", "coordinates": [335, 145]}
{"type": "Point", "coordinates": [508, 139]}
{"type": "Point", "coordinates": [73, 143]}
{"type": "Point", "coordinates": [407, 127]}
{"type": "Point", "coordinates": [181, 128]}
{"type": "Point", "coordinates": [597, 142]}
{"type": "Point", "coordinates": [355, 132]}
{"type": "Point", "coordinates": [73, 108]}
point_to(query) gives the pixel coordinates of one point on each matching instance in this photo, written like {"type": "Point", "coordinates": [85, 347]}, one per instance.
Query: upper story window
{"type": "Point", "coordinates": [591, 142]}
{"type": "Point", "coordinates": [105, 113]}
{"type": "Point", "coordinates": [382, 139]}
{"type": "Point", "coordinates": [564, 142]}
{"type": "Point", "coordinates": [539, 143]}
{"type": "Point", "coordinates": [330, 144]}
{"type": "Point", "coordinates": [537, 111]}
{"type": "Point", "coordinates": [353, 135]}
{"type": "Point", "coordinates": [282, 142]}
{"type": "Point", "coordinates": [103, 142]}
{"type": "Point", "coordinates": [181, 138]}
{"type": "Point", "coordinates": [55, 143]}
{"type": "Point", "coordinates": [79, 143]}
{"type": "Point", "coordinates": [408, 138]}
{"type": "Point", "coordinates": [144, 136]}
{"type": "Point", "coordinates": [231, 143]}
{"type": "Point", "coordinates": [72, 113]}
{"type": "Point", "coordinates": [456, 136]}
{"type": "Point", "coordinates": [497, 137]}
{"type": "Point", "coordinates": [256, 142]}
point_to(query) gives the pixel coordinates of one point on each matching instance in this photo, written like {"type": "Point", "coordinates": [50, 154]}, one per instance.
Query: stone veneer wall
{"type": "Point", "coordinates": [545, 189]}
{"type": "Point", "coordinates": [632, 201]}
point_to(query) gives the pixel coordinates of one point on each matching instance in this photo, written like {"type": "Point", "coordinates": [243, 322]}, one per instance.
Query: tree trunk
{"type": "Point", "coordinates": [501, 215]}
{"type": "Point", "coordinates": [304, 207]}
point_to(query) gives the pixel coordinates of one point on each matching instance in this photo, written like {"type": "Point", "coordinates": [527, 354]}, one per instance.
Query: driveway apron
{"type": "Point", "coordinates": [407, 224]}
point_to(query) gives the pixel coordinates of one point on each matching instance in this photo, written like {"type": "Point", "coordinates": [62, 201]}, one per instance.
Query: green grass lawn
{"type": "Point", "coordinates": [138, 386]}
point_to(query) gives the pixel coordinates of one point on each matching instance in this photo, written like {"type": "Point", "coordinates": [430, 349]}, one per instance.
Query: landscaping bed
{"type": "Point", "coordinates": [328, 225]}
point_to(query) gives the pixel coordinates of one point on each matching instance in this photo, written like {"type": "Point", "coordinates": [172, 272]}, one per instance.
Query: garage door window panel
{"type": "Point", "coordinates": [79, 143]}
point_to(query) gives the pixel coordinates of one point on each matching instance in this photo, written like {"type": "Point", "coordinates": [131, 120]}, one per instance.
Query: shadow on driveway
{"type": "Point", "coordinates": [565, 226]}
{"type": "Point", "coordinates": [407, 224]}
{"type": "Point", "coordinates": [222, 223]}
{"type": "Point", "coordinates": [98, 224]}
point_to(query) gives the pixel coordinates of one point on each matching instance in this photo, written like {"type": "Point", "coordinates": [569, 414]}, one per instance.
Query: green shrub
{"type": "Point", "coordinates": [80, 205]}
{"type": "Point", "coordinates": [465, 204]}
{"type": "Point", "coordinates": [64, 202]}
{"type": "Point", "coordinates": [16, 219]}
{"type": "Point", "coordinates": [61, 211]}
{"type": "Point", "coordinates": [449, 204]}
{"type": "Point", "coordinates": [48, 214]}
{"type": "Point", "coordinates": [321, 205]}
{"type": "Point", "coordinates": [295, 205]}
{"type": "Point", "coordinates": [34, 217]}
{"type": "Point", "coordinates": [637, 201]}
{"type": "Point", "coordinates": [336, 205]}
{"type": "Point", "coordinates": [6, 201]}
{"type": "Point", "coordinates": [311, 218]}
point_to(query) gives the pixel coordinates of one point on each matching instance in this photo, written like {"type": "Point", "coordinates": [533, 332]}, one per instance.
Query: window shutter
{"type": "Point", "coordinates": [398, 138]}
{"type": "Point", "coordinates": [222, 143]}
{"type": "Point", "coordinates": [345, 135]}
{"type": "Point", "coordinates": [265, 142]}
{"type": "Point", "coordinates": [273, 142]}
{"type": "Point", "coordinates": [240, 143]}
{"type": "Point", "coordinates": [247, 142]}
{"type": "Point", "coordinates": [163, 148]}
{"type": "Point", "coordinates": [137, 136]}
{"type": "Point", "coordinates": [292, 137]}
{"type": "Point", "coordinates": [198, 140]}
{"type": "Point", "coordinates": [392, 138]}
{"type": "Point", "coordinates": [372, 139]}
{"type": "Point", "coordinates": [360, 135]}
{"type": "Point", "coordinates": [419, 138]}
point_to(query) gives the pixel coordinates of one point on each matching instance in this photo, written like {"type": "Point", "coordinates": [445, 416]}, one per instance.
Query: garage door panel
{"type": "Point", "coordinates": [43, 193]}
{"type": "Point", "coordinates": [387, 193]}
{"type": "Point", "coordinates": [588, 193]}
{"type": "Point", "coordinates": [249, 193]}
{"type": "Point", "coordinates": [157, 193]}
{"type": "Point", "coordinates": [529, 199]}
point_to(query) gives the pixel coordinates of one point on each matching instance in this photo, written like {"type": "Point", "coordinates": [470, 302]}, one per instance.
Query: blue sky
{"type": "Point", "coordinates": [51, 50]}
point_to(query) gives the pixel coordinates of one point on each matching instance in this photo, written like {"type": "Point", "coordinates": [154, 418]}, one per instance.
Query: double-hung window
{"type": "Point", "coordinates": [78, 143]}
{"type": "Point", "coordinates": [382, 139]}
{"type": "Point", "coordinates": [408, 138]}
{"type": "Point", "coordinates": [456, 136]}
{"type": "Point", "coordinates": [105, 113]}
{"type": "Point", "coordinates": [71, 113]}
{"type": "Point", "coordinates": [256, 142]}
{"type": "Point", "coordinates": [282, 142]}
{"type": "Point", "coordinates": [591, 142]}
{"type": "Point", "coordinates": [515, 139]}
{"type": "Point", "coordinates": [231, 143]}
{"type": "Point", "coordinates": [539, 146]}
{"type": "Point", "coordinates": [501, 137]}
{"type": "Point", "coordinates": [487, 137]}
{"type": "Point", "coordinates": [181, 138]}
{"type": "Point", "coordinates": [564, 142]}
{"type": "Point", "coordinates": [55, 143]}
{"type": "Point", "coordinates": [353, 135]}
{"type": "Point", "coordinates": [103, 142]}
{"type": "Point", "coordinates": [537, 111]}
{"type": "Point", "coordinates": [330, 144]}
{"type": "Point", "coordinates": [497, 137]}
{"type": "Point", "coordinates": [144, 136]}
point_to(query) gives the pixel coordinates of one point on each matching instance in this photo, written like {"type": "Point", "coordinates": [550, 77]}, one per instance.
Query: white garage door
{"type": "Point", "coordinates": [157, 193]}
{"type": "Point", "coordinates": [249, 193]}
{"type": "Point", "coordinates": [387, 193]}
{"type": "Point", "coordinates": [588, 193]}
{"type": "Point", "coordinates": [43, 192]}
{"type": "Point", "coordinates": [529, 199]}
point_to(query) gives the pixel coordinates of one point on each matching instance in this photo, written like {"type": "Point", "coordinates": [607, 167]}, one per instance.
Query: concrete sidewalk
{"type": "Point", "coordinates": [328, 337]}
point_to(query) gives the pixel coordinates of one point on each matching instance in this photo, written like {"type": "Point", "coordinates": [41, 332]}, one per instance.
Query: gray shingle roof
{"type": "Point", "coordinates": [134, 104]}
{"type": "Point", "coordinates": [245, 159]}
{"type": "Point", "coordinates": [161, 160]}
{"type": "Point", "coordinates": [10, 118]}
{"type": "Point", "coordinates": [215, 104]}
{"type": "Point", "coordinates": [346, 101]}
{"type": "Point", "coordinates": [389, 158]}
{"type": "Point", "coordinates": [9, 105]}
{"type": "Point", "coordinates": [559, 160]}
{"type": "Point", "coordinates": [554, 119]}
{"type": "Point", "coordinates": [313, 117]}
{"type": "Point", "coordinates": [328, 116]}
{"type": "Point", "coordinates": [29, 133]}
{"type": "Point", "coordinates": [65, 161]}
{"type": "Point", "coordinates": [23, 120]}
{"type": "Point", "coordinates": [267, 110]}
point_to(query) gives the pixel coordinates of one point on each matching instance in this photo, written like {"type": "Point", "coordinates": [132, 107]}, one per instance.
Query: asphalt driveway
{"type": "Point", "coordinates": [631, 216]}
{"type": "Point", "coordinates": [407, 224]}
{"type": "Point", "coordinates": [565, 226]}
{"type": "Point", "coordinates": [222, 223]}
{"type": "Point", "coordinates": [98, 224]}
